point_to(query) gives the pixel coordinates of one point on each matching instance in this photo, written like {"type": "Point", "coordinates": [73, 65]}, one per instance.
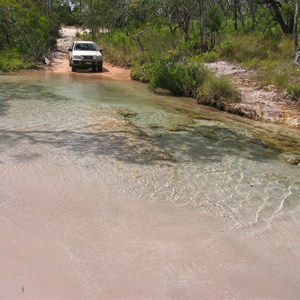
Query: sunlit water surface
{"type": "Point", "coordinates": [109, 191]}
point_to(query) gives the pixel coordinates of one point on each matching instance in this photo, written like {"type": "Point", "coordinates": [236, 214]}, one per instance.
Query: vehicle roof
{"type": "Point", "coordinates": [85, 42]}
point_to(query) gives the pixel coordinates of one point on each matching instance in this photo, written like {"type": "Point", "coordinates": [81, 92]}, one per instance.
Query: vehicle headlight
{"type": "Point", "coordinates": [77, 57]}
{"type": "Point", "coordinates": [97, 57]}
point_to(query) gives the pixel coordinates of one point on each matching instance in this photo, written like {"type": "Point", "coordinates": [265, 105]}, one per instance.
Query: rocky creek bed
{"type": "Point", "coordinates": [267, 104]}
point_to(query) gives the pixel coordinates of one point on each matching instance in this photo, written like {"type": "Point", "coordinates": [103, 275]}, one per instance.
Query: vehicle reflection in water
{"type": "Point", "coordinates": [110, 191]}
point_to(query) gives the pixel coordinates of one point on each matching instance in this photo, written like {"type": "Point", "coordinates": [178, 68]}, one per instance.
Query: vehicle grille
{"type": "Point", "coordinates": [88, 57]}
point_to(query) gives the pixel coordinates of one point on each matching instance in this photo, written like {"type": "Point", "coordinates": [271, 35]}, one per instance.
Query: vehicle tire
{"type": "Point", "coordinates": [94, 69]}
{"type": "Point", "coordinates": [73, 69]}
{"type": "Point", "coordinates": [100, 68]}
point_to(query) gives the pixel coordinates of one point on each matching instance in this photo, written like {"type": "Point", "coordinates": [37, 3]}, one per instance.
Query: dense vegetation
{"type": "Point", "coordinates": [165, 41]}
{"type": "Point", "coordinates": [27, 30]}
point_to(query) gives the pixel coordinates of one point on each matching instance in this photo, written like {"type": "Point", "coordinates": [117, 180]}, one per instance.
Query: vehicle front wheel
{"type": "Point", "coordinates": [74, 69]}
{"type": "Point", "coordinates": [100, 68]}
{"type": "Point", "coordinates": [94, 69]}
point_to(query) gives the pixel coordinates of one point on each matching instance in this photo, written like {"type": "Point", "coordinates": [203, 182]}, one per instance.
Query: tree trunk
{"type": "Point", "coordinates": [295, 32]}
{"type": "Point", "coordinates": [236, 16]}
{"type": "Point", "coordinates": [285, 29]}
{"type": "Point", "coordinates": [295, 29]}
{"type": "Point", "coordinates": [137, 39]}
{"type": "Point", "coordinates": [201, 29]}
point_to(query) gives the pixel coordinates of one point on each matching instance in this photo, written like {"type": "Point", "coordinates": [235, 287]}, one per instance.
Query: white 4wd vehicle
{"type": "Point", "coordinates": [85, 55]}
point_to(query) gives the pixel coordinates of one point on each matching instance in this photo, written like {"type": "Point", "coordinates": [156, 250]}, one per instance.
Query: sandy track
{"type": "Point", "coordinates": [60, 58]}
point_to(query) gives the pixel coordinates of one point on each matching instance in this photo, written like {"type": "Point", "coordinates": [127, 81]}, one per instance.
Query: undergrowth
{"type": "Point", "coordinates": [186, 78]}
{"type": "Point", "coordinates": [271, 57]}
{"type": "Point", "coordinates": [11, 61]}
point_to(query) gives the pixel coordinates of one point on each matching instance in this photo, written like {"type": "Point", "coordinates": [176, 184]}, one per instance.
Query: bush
{"type": "Point", "coordinates": [179, 77]}
{"type": "Point", "coordinates": [119, 48]}
{"type": "Point", "coordinates": [13, 61]}
{"type": "Point", "coordinates": [141, 73]}
{"type": "Point", "coordinates": [294, 91]}
{"type": "Point", "coordinates": [271, 56]}
{"type": "Point", "coordinates": [188, 79]}
{"type": "Point", "coordinates": [244, 48]}
{"type": "Point", "coordinates": [216, 90]}
{"type": "Point", "coordinates": [207, 57]}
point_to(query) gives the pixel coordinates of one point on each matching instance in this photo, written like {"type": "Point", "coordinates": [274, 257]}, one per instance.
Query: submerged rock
{"type": "Point", "coordinates": [294, 161]}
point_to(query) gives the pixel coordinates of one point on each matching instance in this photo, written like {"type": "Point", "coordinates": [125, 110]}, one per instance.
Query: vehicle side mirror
{"type": "Point", "coordinates": [101, 50]}
{"type": "Point", "coordinates": [70, 49]}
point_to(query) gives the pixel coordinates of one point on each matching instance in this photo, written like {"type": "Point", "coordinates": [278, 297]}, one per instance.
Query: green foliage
{"type": "Point", "coordinates": [215, 90]}
{"type": "Point", "coordinates": [26, 28]}
{"type": "Point", "coordinates": [214, 19]}
{"type": "Point", "coordinates": [294, 90]}
{"type": "Point", "coordinates": [241, 48]}
{"type": "Point", "coordinates": [119, 48]}
{"type": "Point", "coordinates": [178, 77]}
{"type": "Point", "coordinates": [207, 57]}
{"type": "Point", "coordinates": [13, 61]}
{"type": "Point", "coordinates": [142, 73]}
{"type": "Point", "coordinates": [159, 40]}
{"type": "Point", "coordinates": [183, 78]}
{"type": "Point", "coordinates": [271, 57]}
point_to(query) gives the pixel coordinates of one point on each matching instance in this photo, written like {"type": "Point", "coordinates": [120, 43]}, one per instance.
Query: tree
{"type": "Point", "coordinates": [295, 29]}
{"type": "Point", "coordinates": [276, 7]}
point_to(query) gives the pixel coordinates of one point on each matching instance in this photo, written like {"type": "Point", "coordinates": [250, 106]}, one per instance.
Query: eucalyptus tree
{"type": "Point", "coordinates": [24, 26]}
{"type": "Point", "coordinates": [295, 29]}
{"type": "Point", "coordinates": [282, 12]}
{"type": "Point", "coordinates": [178, 15]}
{"type": "Point", "coordinates": [210, 15]}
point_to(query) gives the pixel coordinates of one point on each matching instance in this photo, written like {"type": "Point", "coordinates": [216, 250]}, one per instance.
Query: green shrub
{"type": "Point", "coordinates": [216, 90]}
{"type": "Point", "coordinates": [141, 73]}
{"type": "Point", "coordinates": [179, 77]}
{"type": "Point", "coordinates": [242, 48]}
{"type": "Point", "coordinates": [119, 48]}
{"type": "Point", "coordinates": [158, 40]}
{"type": "Point", "coordinates": [294, 90]}
{"type": "Point", "coordinates": [228, 49]}
{"type": "Point", "coordinates": [207, 57]}
{"type": "Point", "coordinates": [11, 61]}
{"type": "Point", "coordinates": [188, 79]}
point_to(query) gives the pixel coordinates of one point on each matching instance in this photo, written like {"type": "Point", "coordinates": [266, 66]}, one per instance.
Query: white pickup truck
{"type": "Point", "coordinates": [85, 55]}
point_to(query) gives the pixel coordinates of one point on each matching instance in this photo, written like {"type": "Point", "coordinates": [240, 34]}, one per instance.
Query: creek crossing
{"type": "Point", "coordinates": [109, 191]}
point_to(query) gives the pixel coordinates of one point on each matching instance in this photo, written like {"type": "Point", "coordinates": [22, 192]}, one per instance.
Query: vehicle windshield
{"type": "Point", "coordinates": [85, 47]}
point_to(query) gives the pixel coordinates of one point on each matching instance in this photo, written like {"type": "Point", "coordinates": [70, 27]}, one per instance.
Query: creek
{"type": "Point", "coordinates": [109, 191]}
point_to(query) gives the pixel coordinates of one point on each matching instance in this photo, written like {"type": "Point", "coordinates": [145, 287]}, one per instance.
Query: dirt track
{"type": "Point", "coordinates": [60, 58]}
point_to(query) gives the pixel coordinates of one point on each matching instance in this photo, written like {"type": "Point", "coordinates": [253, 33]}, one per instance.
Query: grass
{"type": "Point", "coordinates": [119, 49]}
{"type": "Point", "coordinates": [215, 91]}
{"type": "Point", "coordinates": [272, 58]}
{"type": "Point", "coordinates": [187, 78]}
{"type": "Point", "coordinates": [11, 61]}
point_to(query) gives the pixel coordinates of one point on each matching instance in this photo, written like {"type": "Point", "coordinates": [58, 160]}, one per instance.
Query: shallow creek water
{"type": "Point", "coordinates": [110, 192]}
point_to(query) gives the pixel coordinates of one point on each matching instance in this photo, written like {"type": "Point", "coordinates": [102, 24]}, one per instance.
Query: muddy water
{"type": "Point", "coordinates": [110, 192]}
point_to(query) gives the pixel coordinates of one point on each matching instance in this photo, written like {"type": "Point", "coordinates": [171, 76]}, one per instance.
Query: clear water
{"type": "Point", "coordinates": [118, 193]}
